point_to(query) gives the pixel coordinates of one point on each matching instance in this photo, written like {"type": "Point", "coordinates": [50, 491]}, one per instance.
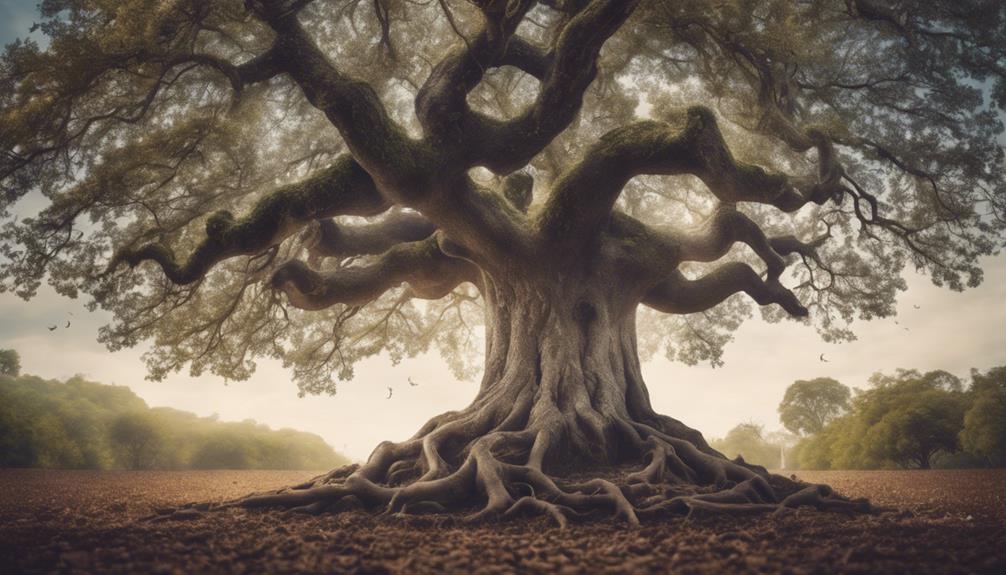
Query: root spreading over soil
{"type": "Point", "coordinates": [87, 522]}
{"type": "Point", "coordinates": [674, 477]}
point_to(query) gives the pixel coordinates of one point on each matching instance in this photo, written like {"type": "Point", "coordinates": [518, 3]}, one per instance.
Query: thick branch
{"type": "Point", "coordinates": [526, 57]}
{"type": "Point", "coordinates": [342, 189]}
{"type": "Point", "coordinates": [506, 146]}
{"type": "Point", "coordinates": [330, 239]}
{"type": "Point", "coordinates": [398, 164]}
{"type": "Point", "coordinates": [876, 13]}
{"type": "Point", "coordinates": [429, 272]}
{"type": "Point", "coordinates": [255, 70]}
{"type": "Point", "coordinates": [441, 104]}
{"type": "Point", "coordinates": [490, 222]}
{"type": "Point", "coordinates": [565, 74]}
{"type": "Point", "coordinates": [403, 169]}
{"type": "Point", "coordinates": [658, 253]}
{"type": "Point", "coordinates": [680, 295]}
{"type": "Point", "coordinates": [583, 197]}
{"type": "Point", "coordinates": [786, 245]}
{"type": "Point", "coordinates": [713, 239]}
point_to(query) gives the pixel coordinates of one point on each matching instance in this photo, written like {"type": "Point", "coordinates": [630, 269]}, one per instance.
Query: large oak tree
{"type": "Point", "coordinates": [293, 178]}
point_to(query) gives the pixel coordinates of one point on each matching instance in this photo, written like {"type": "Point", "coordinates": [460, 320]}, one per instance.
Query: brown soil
{"type": "Point", "coordinates": [81, 521]}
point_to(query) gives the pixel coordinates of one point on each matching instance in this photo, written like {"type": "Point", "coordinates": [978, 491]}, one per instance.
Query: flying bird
{"type": "Point", "coordinates": [822, 358]}
{"type": "Point", "coordinates": [389, 393]}
{"type": "Point", "coordinates": [67, 323]}
{"type": "Point", "coordinates": [52, 328]}
{"type": "Point", "coordinates": [412, 383]}
{"type": "Point", "coordinates": [916, 306]}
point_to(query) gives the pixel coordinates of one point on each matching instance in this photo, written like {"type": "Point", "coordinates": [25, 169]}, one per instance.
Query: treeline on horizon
{"type": "Point", "coordinates": [906, 420]}
{"type": "Point", "coordinates": [80, 424]}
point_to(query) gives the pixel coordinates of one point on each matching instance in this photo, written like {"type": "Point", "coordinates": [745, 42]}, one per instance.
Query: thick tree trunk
{"type": "Point", "coordinates": [562, 365]}
{"type": "Point", "coordinates": [562, 425]}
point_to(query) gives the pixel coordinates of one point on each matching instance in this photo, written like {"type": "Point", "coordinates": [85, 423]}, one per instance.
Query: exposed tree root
{"type": "Point", "coordinates": [500, 475]}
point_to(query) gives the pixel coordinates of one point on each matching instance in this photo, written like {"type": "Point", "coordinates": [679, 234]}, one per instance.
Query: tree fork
{"type": "Point", "coordinates": [562, 427]}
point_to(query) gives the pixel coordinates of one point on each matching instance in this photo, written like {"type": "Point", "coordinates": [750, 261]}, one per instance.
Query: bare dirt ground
{"type": "Point", "coordinates": [81, 521]}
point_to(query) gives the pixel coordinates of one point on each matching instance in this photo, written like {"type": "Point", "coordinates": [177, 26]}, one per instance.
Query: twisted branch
{"type": "Point", "coordinates": [258, 69]}
{"type": "Point", "coordinates": [583, 197]}
{"type": "Point", "coordinates": [506, 146]}
{"type": "Point", "coordinates": [330, 239]}
{"type": "Point", "coordinates": [441, 104]}
{"type": "Point", "coordinates": [397, 163]}
{"type": "Point", "coordinates": [342, 189]}
{"type": "Point", "coordinates": [429, 272]}
{"type": "Point", "coordinates": [681, 295]}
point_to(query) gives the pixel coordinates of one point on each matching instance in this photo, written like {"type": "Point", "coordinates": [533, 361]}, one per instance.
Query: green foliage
{"type": "Point", "coordinates": [10, 363]}
{"type": "Point", "coordinates": [83, 424]}
{"type": "Point", "coordinates": [138, 439]}
{"type": "Point", "coordinates": [810, 404]}
{"type": "Point", "coordinates": [984, 433]}
{"type": "Point", "coordinates": [904, 420]}
{"type": "Point", "coordinates": [748, 441]}
{"type": "Point", "coordinates": [131, 121]}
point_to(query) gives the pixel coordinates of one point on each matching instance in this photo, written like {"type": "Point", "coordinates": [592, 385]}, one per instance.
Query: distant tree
{"type": "Point", "coordinates": [84, 424]}
{"type": "Point", "coordinates": [290, 449]}
{"type": "Point", "coordinates": [810, 404]}
{"type": "Point", "coordinates": [916, 427]}
{"type": "Point", "coordinates": [748, 441]}
{"type": "Point", "coordinates": [815, 451]}
{"type": "Point", "coordinates": [903, 420]}
{"type": "Point", "coordinates": [138, 438]}
{"type": "Point", "coordinates": [225, 450]}
{"type": "Point", "coordinates": [911, 416]}
{"type": "Point", "coordinates": [10, 362]}
{"type": "Point", "coordinates": [984, 433]}
{"type": "Point", "coordinates": [936, 379]}
{"type": "Point", "coordinates": [52, 446]}
{"type": "Point", "coordinates": [16, 446]}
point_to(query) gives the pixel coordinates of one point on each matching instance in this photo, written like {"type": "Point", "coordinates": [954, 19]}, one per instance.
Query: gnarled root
{"type": "Point", "coordinates": [499, 475]}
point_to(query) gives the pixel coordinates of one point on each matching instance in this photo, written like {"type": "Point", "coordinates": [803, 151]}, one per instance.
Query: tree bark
{"type": "Point", "coordinates": [561, 357]}
{"type": "Point", "coordinates": [562, 425]}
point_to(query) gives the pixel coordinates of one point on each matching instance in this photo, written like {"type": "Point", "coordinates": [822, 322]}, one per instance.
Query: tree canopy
{"type": "Point", "coordinates": [10, 362]}
{"type": "Point", "coordinates": [984, 432]}
{"type": "Point", "coordinates": [809, 405]}
{"type": "Point", "coordinates": [853, 136]}
{"type": "Point", "coordinates": [904, 420]}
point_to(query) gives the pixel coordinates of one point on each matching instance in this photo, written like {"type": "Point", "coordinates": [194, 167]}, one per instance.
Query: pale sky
{"type": "Point", "coordinates": [950, 331]}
